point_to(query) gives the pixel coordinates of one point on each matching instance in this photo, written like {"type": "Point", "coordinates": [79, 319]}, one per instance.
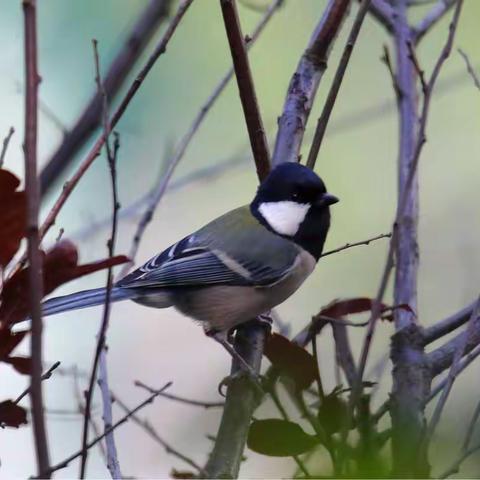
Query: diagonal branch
{"type": "Point", "coordinates": [35, 273]}
{"type": "Point", "coordinates": [336, 84]}
{"type": "Point", "coordinates": [431, 18]}
{"type": "Point", "coordinates": [304, 83]}
{"type": "Point", "coordinates": [95, 150]}
{"type": "Point", "coordinates": [382, 11]}
{"type": "Point", "coordinates": [246, 89]}
{"type": "Point", "coordinates": [142, 31]}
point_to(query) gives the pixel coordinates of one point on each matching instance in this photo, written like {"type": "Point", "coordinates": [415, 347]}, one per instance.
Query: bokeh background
{"type": "Point", "coordinates": [357, 161]}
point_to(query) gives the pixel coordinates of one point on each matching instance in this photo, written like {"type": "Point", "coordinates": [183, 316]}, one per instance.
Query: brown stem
{"type": "Point", "coordinates": [35, 274]}
{"type": "Point", "coordinates": [5, 143]}
{"type": "Point", "coordinates": [246, 88]}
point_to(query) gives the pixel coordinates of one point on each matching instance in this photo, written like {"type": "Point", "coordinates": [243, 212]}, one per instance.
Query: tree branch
{"type": "Point", "coordinates": [64, 463]}
{"type": "Point", "coordinates": [304, 83]}
{"type": "Point", "coordinates": [336, 84]}
{"type": "Point", "coordinates": [5, 143]}
{"type": "Point", "coordinates": [142, 31]}
{"type": "Point", "coordinates": [470, 69]}
{"type": "Point", "coordinates": [246, 88]}
{"type": "Point", "coordinates": [35, 273]}
{"type": "Point", "coordinates": [112, 460]}
{"type": "Point", "coordinates": [431, 18]}
{"type": "Point", "coordinates": [160, 189]}
{"type": "Point", "coordinates": [449, 324]}
{"type": "Point", "coordinates": [95, 150]}
{"type": "Point", "coordinates": [382, 11]}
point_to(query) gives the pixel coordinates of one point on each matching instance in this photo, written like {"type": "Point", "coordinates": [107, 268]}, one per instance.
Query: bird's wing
{"type": "Point", "coordinates": [205, 259]}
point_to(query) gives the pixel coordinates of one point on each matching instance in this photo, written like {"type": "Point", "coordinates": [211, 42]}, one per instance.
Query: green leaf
{"type": "Point", "coordinates": [279, 438]}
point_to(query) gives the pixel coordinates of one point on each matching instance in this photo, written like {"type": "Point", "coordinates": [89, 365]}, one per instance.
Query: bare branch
{"type": "Point", "coordinates": [256, 131]}
{"type": "Point", "coordinates": [188, 401]}
{"type": "Point", "coordinates": [35, 273]}
{"type": "Point", "coordinates": [160, 189]}
{"type": "Point", "coordinates": [382, 11]}
{"type": "Point", "coordinates": [343, 352]}
{"type": "Point", "coordinates": [304, 83]}
{"type": "Point", "coordinates": [336, 84]}
{"type": "Point", "coordinates": [45, 376]}
{"type": "Point", "coordinates": [451, 323]}
{"type": "Point", "coordinates": [456, 465]}
{"type": "Point", "coordinates": [356, 244]}
{"type": "Point", "coordinates": [91, 118]}
{"type": "Point", "coordinates": [452, 374]}
{"type": "Point", "coordinates": [95, 150]}
{"type": "Point", "coordinates": [431, 18]}
{"type": "Point", "coordinates": [64, 463]}
{"type": "Point", "coordinates": [6, 141]}
{"type": "Point", "coordinates": [145, 425]}
{"type": "Point", "coordinates": [470, 69]}
{"type": "Point", "coordinates": [112, 462]}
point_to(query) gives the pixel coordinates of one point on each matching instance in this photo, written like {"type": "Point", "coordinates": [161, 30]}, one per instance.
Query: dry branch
{"type": "Point", "coordinates": [431, 18]}
{"type": "Point", "coordinates": [248, 97]}
{"type": "Point", "coordinates": [304, 83]}
{"type": "Point", "coordinates": [336, 84]}
{"type": "Point", "coordinates": [95, 150]}
{"type": "Point", "coordinates": [35, 273]}
{"type": "Point", "coordinates": [91, 118]}
{"type": "Point", "coordinates": [5, 143]}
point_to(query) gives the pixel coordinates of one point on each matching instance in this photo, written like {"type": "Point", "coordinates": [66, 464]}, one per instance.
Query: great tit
{"type": "Point", "coordinates": [238, 266]}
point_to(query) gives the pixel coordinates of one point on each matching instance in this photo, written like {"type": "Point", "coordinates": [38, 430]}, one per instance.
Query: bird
{"type": "Point", "coordinates": [237, 267]}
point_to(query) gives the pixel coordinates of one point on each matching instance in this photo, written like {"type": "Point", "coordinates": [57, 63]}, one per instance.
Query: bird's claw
{"type": "Point", "coordinates": [254, 378]}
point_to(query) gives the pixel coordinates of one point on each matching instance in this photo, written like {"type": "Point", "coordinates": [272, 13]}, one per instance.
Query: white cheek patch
{"type": "Point", "coordinates": [284, 217]}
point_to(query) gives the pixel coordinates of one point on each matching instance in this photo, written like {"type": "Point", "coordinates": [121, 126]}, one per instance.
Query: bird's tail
{"type": "Point", "coordinates": [84, 299]}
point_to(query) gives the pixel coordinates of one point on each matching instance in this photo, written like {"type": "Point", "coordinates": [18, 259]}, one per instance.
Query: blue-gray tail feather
{"type": "Point", "coordinates": [84, 299]}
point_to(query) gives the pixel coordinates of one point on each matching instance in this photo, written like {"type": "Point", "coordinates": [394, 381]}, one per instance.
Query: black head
{"type": "Point", "coordinates": [293, 202]}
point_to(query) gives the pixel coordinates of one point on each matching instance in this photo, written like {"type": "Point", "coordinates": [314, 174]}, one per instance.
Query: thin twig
{"type": "Point", "coordinates": [343, 352]}
{"type": "Point", "coordinates": [155, 12]}
{"type": "Point", "coordinates": [64, 463]}
{"type": "Point", "coordinates": [452, 375]}
{"type": "Point", "coordinates": [356, 244]}
{"type": "Point", "coordinates": [431, 18]}
{"type": "Point", "coordinates": [420, 72]}
{"type": "Point", "coordinates": [160, 189]}
{"type": "Point", "coordinates": [382, 11]}
{"type": "Point", "coordinates": [177, 398]}
{"type": "Point", "coordinates": [35, 273]}
{"type": "Point", "coordinates": [336, 84]}
{"type": "Point", "coordinates": [248, 97]}
{"type": "Point", "coordinates": [471, 428]}
{"type": "Point", "coordinates": [112, 463]}
{"type": "Point", "coordinates": [95, 150]}
{"type": "Point", "coordinates": [385, 58]}
{"type": "Point", "coordinates": [304, 83]}
{"type": "Point", "coordinates": [45, 376]}
{"type": "Point", "coordinates": [456, 465]}
{"type": "Point", "coordinates": [470, 69]}
{"type": "Point", "coordinates": [145, 425]}
{"type": "Point", "coordinates": [6, 141]}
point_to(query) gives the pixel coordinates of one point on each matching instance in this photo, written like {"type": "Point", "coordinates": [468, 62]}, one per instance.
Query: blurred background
{"type": "Point", "coordinates": [357, 162]}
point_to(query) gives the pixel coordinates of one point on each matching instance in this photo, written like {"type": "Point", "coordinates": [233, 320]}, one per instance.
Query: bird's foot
{"type": "Point", "coordinates": [266, 319]}
{"type": "Point", "coordinates": [245, 369]}
{"type": "Point", "coordinates": [251, 376]}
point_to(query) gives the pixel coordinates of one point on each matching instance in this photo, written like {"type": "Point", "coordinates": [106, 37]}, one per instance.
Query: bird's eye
{"type": "Point", "coordinates": [295, 196]}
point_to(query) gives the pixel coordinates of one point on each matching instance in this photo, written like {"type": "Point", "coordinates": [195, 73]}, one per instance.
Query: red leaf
{"type": "Point", "coordinates": [12, 216]}
{"type": "Point", "coordinates": [22, 365]}
{"type": "Point", "coordinates": [181, 474]}
{"type": "Point", "coordinates": [59, 267]}
{"type": "Point", "coordinates": [9, 340]}
{"type": "Point", "coordinates": [12, 415]}
{"type": "Point", "coordinates": [291, 359]}
{"type": "Point", "coordinates": [341, 308]}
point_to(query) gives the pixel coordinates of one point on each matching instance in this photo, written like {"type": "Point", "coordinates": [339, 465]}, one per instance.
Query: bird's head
{"type": "Point", "coordinates": [293, 202]}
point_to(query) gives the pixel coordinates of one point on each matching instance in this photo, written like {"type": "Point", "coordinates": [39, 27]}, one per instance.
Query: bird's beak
{"type": "Point", "coordinates": [328, 199]}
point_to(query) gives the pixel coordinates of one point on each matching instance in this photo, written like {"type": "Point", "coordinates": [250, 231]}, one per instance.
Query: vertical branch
{"type": "Point", "coordinates": [246, 90]}
{"type": "Point", "coordinates": [304, 83]}
{"type": "Point", "coordinates": [101, 339]}
{"type": "Point", "coordinates": [35, 273]}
